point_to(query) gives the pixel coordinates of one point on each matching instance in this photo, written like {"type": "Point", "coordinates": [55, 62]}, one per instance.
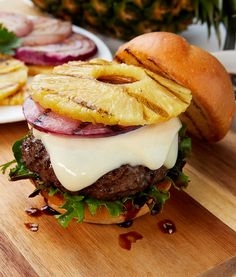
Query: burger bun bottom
{"type": "Point", "coordinates": [102, 215]}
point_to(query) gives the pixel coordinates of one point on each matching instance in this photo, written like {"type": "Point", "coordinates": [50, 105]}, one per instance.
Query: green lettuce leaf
{"type": "Point", "coordinates": [52, 191]}
{"type": "Point", "coordinates": [115, 208]}
{"type": "Point", "coordinates": [175, 174]}
{"type": "Point", "coordinates": [93, 205]}
{"type": "Point", "coordinates": [20, 171]}
{"type": "Point", "coordinates": [8, 41]}
{"type": "Point", "coordinates": [75, 204]}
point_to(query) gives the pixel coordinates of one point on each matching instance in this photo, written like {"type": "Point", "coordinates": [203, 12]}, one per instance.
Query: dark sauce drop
{"type": "Point", "coordinates": [139, 202]}
{"type": "Point", "coordinates": [34, 193]}
{"type": "Point", "coordinates": [48, 210]}
{"type": "Point", "coordinates": [32, 226]}
{"type": "Point", "coordinates": [35, 212]}
{"type": "Point", "coordinates": [126, 224]}
{"type": "Point", "coordinates": [167, 226]}
{"type": "Point", "coordinates": [156, 209]}
{"type": "Point", "coordinates": [126, 239]}
{"type": "Point", "coordinates": [131, 211]}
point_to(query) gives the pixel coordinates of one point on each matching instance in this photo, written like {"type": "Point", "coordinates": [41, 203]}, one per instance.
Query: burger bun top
{"type": "Point", "coordinates": [210, 114]}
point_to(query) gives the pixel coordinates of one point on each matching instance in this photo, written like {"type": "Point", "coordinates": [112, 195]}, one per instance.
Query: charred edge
{"type": "Point", "coordinates": [170, 90]}
{"type": "Point", "coordinates": [118, 59]}
{"type": "Point", "coordinates": [154, 108]}
{"type": "Point", "coordinates": [46, 112]}
{"type": "Point", "coordinates": [128, 51]}
{"type": "Point", "coordinates": [42, 116]}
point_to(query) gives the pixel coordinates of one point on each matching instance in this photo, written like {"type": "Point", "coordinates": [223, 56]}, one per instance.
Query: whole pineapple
{"type": "Point", "coordinates": [128, 18]}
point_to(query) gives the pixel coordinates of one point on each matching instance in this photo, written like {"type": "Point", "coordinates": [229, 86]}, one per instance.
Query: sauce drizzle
{"type": "Point", "coordinates": [32, 226]}
{"type": "Point", "coordinates": [35, 212]}
{"type": "Point", "coordinates": [47, 210]}
{"type": "Point", "coordinates": [126, 239]}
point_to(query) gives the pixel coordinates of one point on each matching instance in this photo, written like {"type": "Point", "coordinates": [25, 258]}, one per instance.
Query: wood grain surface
{"type": "Point", "coordinates": [202, 241]}
{"type": "Point", "coordinates": [205, 241]}
{"type": "Point", "coordinates": [225, 269]}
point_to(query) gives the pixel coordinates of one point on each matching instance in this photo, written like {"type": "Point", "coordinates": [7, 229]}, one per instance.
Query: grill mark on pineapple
{"type": "Point", "coordinates": [168, 89]}
{"type": "Point", "coordinates": [82, 103]}
{"type": "Point", "coordinates": [159, 70]}
{"type": "Point", "coordinates": [155, 108]}
{"type": "Point", "coordinates": [128, 51]}
{"type": "Point", "coordinates": [91, 107]}
{"type": "Point", "coordinates": [87, 106]}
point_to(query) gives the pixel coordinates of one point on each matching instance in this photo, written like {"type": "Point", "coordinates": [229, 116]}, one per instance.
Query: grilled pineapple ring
{"type": "Point", "coordinates": [13, 76]}
{"type": "Point", "coordinates": [15, 99]}
{"type": "Point", "coordinates": [106, 92]}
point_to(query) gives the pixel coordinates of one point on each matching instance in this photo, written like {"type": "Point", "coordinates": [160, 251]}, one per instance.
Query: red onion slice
{"type": "Point", "coordinates": [76, 47]}
{"type": "Point", "coordinates": [16, 23]}
{"type": "Point", "coordinates": [47, 31]}
{"type": "Point", "coordinates": [47, 121]}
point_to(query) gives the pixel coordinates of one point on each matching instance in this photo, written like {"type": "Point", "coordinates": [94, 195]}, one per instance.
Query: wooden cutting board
{"type": "Point", "coordinates": [201, 241]}
{"type": "Point", "coordinates": [204, 243]}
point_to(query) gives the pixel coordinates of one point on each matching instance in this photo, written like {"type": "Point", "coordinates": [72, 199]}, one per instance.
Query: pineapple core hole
{"type": "Point", "coordinates": [116, 79]}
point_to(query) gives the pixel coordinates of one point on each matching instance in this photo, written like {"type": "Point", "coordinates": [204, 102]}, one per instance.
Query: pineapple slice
{"type": "Point", "coordinates": [106, 92]}
{"type": "Point", "coordinates": [16, 99]}
{"type": "Point", "coordinates": [8, 64]}
{"type": "Point", "coordinates": [13, 76]}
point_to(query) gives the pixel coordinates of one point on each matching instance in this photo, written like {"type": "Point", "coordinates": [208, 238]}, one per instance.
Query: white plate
{"type": "Point", "coordinates": [228, 59]}
{"type": "Point", "coordinates": [14, 113]}
{"type": "Point", "coordinates": [11, 114]}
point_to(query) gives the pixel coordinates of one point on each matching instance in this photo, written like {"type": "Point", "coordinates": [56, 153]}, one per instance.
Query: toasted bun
{"type": "Point", "coordinates": [102, 215]}
{"type": "Point", "coordinates": [39, 69]}
{"type": "Point", "coordinates": [210, 114]}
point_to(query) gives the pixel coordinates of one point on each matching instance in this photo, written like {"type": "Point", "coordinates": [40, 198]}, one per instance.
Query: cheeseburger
{"type": "Point", "coordinates": [106, 141]}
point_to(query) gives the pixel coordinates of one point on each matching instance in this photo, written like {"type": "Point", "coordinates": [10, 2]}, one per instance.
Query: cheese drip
{"type": "Point", "coordinates": [78, 162]}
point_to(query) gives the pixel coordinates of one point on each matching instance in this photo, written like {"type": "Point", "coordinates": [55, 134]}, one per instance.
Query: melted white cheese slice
{"type": "Point", "coordinates": [78, 162]}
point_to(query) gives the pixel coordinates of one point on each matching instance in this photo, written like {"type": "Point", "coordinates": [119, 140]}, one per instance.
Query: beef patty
{"type": "Point", "coordinates": [123, 181]}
